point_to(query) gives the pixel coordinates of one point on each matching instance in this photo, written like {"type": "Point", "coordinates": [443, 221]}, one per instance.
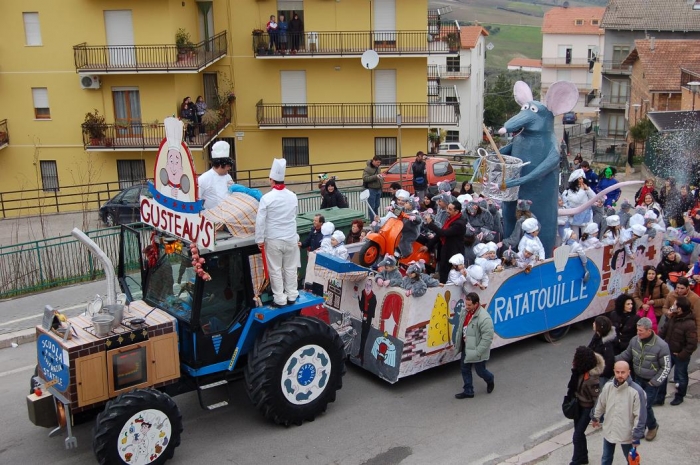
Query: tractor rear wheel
{"type": "Point", "coordinates": [294, 370]}
{"type": "Point", "coordinates": [138, 428]}
{"type": "Point", "coordinates": [555, 335]}
{"type": "Point", "coordinates": [369, 253]}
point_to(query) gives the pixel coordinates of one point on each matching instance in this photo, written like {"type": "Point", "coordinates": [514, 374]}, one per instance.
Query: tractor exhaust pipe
{"type": "Point", "coordinates": [104, 259]}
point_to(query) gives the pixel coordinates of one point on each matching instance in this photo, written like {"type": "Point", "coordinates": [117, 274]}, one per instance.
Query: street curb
{"type": "Point", "coordinates": [18, 337]}
{"type": "Point", "coordinates": [542, 450]}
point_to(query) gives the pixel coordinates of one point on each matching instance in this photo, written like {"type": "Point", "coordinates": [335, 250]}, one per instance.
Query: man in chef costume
{"type": "Point", "coordinates": [214, 184]}
{"type": "Point", "coordinates": [276, 232]}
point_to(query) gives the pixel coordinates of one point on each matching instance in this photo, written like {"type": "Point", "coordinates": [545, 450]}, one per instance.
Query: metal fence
{"type": "Point", "coordinates": [47, 263]}
{"type": "Point", "coordinates": [149, 58]}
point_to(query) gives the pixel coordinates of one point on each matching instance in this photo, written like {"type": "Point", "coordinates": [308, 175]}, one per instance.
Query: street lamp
{"type": "Point", "coordinates": [636, 106]}
{"type": "Point", "coordinates": [694, 88]}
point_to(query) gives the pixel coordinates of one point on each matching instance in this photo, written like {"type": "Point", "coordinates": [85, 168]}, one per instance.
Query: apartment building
{"type": "Point", "coordinates": [572, 41]}
{"type": "Point", "coordinates": [86, 85]}
{"type": "Point", "coordinates": [624, 22]}
{"type": "Point", "coordinates": [460, 79]}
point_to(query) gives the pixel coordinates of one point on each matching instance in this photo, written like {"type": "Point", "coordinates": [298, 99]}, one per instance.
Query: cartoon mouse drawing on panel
{"type": "Point", "coordinates": [536, 143]}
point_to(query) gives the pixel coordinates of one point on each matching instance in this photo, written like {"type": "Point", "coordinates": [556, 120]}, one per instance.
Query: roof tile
{"type": "Point", "coordinates": [662, 65]}
{"type": "Point", "coordinates": [563, 20]}
{"type": "Point", "coordinates": [470, 35]}
{"type": "Point", "coordinates": [657, 15]}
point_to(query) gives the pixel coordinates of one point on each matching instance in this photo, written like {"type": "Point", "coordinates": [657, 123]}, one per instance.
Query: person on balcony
{"type": "Point", "coordinates": [282, 27]}
{"type": "Point", "coordinates": [272, 30]}
{"type": "Point", "coordinates": [296, 32]}
{"type": "Point", "coordinates": [188, 114]}
{"type": "Point", "coordinates": [201, 107]}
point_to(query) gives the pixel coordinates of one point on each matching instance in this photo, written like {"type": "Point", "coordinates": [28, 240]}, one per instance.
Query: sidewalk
{"type": "Point", "coordinates": [676, 443]}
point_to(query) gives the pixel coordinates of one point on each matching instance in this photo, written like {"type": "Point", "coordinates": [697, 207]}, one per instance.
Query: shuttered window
{"type": "Point", "coordinates": [290, 5]}
{"type": "Point", "coordinates": [32, 29]}
{"type": "Point", "coordinates": [293, 85]}
{"type": "Point", "coordinates": [452, 136]}
{"type": "Point", "coordinates": [131, 172]}
{"type": "Point", "coordinates": [385, 148]}
{"type": "Point", "coordinates": [296, 150]}
{"type": "Point", "coordinates": [41, 103]}
{"type": "Point", "coordinates": [49, 175]}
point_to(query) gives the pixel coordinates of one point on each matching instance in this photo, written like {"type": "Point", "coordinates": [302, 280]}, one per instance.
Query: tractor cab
{"type": "Point", "coordinates": [211, 313]}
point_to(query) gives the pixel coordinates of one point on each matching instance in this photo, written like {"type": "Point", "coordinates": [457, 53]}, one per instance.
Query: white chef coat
{"type": "Point", "coordinates": [277, 216]}
{"type": "Point", "coordinates": [213, 187]}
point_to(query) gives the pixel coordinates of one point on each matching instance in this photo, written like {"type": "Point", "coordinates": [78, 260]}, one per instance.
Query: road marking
{"type": "Point", "coordinates": [40, 315]}
{"type": "Point", "coordinates": [17, 370]}
{"type": "Point", "coordinates": [486, 459]}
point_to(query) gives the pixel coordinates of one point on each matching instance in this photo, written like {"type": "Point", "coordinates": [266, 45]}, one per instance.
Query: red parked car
{"type": "Point", "coordinates": [437, 169]}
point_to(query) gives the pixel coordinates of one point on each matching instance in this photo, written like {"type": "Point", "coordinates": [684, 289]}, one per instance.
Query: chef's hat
{"type": "Point", "coordinates": [220, 150]}
{"type": "Point", "coordinates": [475, 272]}
{"type": "Point", "coordinates": [480, 249]}
{"type": "Point", "coordinates": [279, 165]}
{"type": "Point", "coordinates": [402, 194]}
{"type": "Point", "coordinates": [327, 228]}
{"type": "Point", "coordinates": [457, 259]}
{"type": "Point", "coordinates": [338, 235]}
{"type": "Point", "coordinates": [173, 132]}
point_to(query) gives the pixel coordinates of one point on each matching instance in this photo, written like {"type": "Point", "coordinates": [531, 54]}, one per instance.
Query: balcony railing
{"type": "Point", "coordinates": [4, 134]}
{"type": "Point", "coordinates": [616, 67]}
{"type": "Point", "coordinates": [358, 115]}
{"type": "Point", "coordinates": [145, 136]}
{"type": "Point", "coordinates": [433, 72]}
{"type": "Point", "coordinates": [455, 72]}
{"type": "Point", "coordinates": [614, 102]}
{"type": "Point", "coordinates": [355, 43]}
{"type": "Point", "coordinates": [564, 62]}
{"type": "Point", "coordinates": [130, 59]}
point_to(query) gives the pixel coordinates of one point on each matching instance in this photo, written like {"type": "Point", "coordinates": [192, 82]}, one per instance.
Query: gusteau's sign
{"type": "Point", "coordinates": [175, 207]}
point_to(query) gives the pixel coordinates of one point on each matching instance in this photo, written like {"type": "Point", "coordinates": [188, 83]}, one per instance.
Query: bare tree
{"type": "Point", "coordinates": [86, 171]}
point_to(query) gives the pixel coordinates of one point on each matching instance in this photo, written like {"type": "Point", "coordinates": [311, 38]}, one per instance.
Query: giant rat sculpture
{"type": "Point", "coordinates": [537, 144]}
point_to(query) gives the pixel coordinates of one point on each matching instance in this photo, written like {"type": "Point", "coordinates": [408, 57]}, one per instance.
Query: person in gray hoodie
{"type": "Point", "coordinates": [651, 360]}
{"type": "Point", "coordinates": [623, 403]}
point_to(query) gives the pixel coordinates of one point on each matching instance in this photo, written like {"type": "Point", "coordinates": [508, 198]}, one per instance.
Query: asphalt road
{"type": "Point", "coordinates": [415, 421]}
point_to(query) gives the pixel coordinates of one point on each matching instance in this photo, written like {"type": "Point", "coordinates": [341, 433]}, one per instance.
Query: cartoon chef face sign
{"type": "Point", "coordinates": [174, 168]}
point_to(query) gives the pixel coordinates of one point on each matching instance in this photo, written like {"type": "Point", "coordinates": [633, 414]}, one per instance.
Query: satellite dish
{"type": "Point", "coordinates": [370, 59]}
{"type": "Point", "coordinates": [565, 5]}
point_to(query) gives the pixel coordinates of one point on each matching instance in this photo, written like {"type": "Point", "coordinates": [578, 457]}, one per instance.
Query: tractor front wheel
{"type": "Point", "coordinates": [369, 253]}
{"type": "Point", "coordinates": [294, 370]}
{"type": "Point", "coordinates": [140, 427]}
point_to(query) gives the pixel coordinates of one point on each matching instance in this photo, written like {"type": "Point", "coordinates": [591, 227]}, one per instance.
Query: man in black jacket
{"type": "Point", "coordinates": [420, 177]}
{"type": "Point", "coordinates": [449, 238]}
{"type": "Point", "coordinates": [313, 240]}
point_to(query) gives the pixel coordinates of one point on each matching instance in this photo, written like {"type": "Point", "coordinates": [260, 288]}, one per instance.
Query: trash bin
{"type": "Point", "coordinates": [340, 217]}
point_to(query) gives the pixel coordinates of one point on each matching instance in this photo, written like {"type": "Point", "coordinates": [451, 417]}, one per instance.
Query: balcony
{"type": "Point", "coordinates": [143, 136]}
{"type": "Point", "coordinates": [563, 62]}
{"type": "Point", "coordinates": [4, 134]}
{"type": "Point", "coordinates": [356, 115]}
{"type": "Point", "coordinates": [355, 43]}
{"type": "Point", "coordinates": [613, 102]}
{"type": "Point", "coordinates": [149, 59]}
{"type": "Point", "coordinates": [616, 67]}
{"type": "Point", "coordinates": [433, 73]}
{"type": "Point", "coordinates": [454, 72]}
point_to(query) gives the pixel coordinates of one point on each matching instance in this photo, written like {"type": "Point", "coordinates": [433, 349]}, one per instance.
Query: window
{"type": "Point", "coordinates": [595, 22]}
{"type": "Point", "coordinates": [130, 172]}
{"type": "Point", "coordinates": [41, 103]}
{"type": "Point", "coordinates": [453, 64]}
{"type": "Point", "coordinates": [442, 168]}
{"type": "Point", "coordinates": [620, 52]}
{"type": "Point", "coordinates": [32, 29]}
{"type": "Point", "coordinates": [616, 125]}
{"type": "Point", "coordinates": [452, 136]}
{"type": "Point", "coordinates": [619, 91]}
{"type": "Point", "coordinates": [49, 175]}
{"type": "Point", "coordinates": [579, 22]}
{"type": "Point", "coordinates": [296, 150]}
{"type": "Point", "coordinates": [385, 148]}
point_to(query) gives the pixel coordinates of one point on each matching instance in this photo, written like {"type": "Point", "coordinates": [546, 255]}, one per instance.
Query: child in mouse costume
{"type": "Point", "coordinates": [458, 274]}
{"type": "Point", "coordinates": [411, 227]}
{"type": "Point", "coordinates": [412, 283]}
{"type": "Point", "coordinates": [509, 258]}
{"type": "Point", "coordinates": [427, 279]}
{"type": "Point", "coordinates": [570, 239]}
{"type": "Point", "coordinates": [390, 275]}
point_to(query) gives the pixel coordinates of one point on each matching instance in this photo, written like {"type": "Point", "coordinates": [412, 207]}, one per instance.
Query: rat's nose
{"type": "Point", "coordinates": [502, 131]}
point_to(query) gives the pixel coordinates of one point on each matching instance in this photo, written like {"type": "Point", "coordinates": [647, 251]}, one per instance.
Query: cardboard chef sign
{"type": "Point", "coordinates": [175, 207]}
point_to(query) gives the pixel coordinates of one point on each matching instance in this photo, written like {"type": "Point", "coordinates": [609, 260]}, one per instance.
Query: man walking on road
{"type": "Point", "coordinates": [372, 180]}
{"type": "Point", "coordinates": [420, 178]}
{"type": "Point", "coordinates": [680, 332]}
{"type": "Point", "coordinates": [623, 403]}
{"type": "Point", "coordinates": [651, 360]}
{"type": "Point", "coordinates": [276, 232]}
{"type": "Point", "coordinates": [477, 336]}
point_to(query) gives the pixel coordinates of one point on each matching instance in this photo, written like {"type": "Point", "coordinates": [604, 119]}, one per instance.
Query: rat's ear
{"type": "Point", "coordinates": [522, 93]}
{"type": "Point", "coordinates": [561, 97]}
